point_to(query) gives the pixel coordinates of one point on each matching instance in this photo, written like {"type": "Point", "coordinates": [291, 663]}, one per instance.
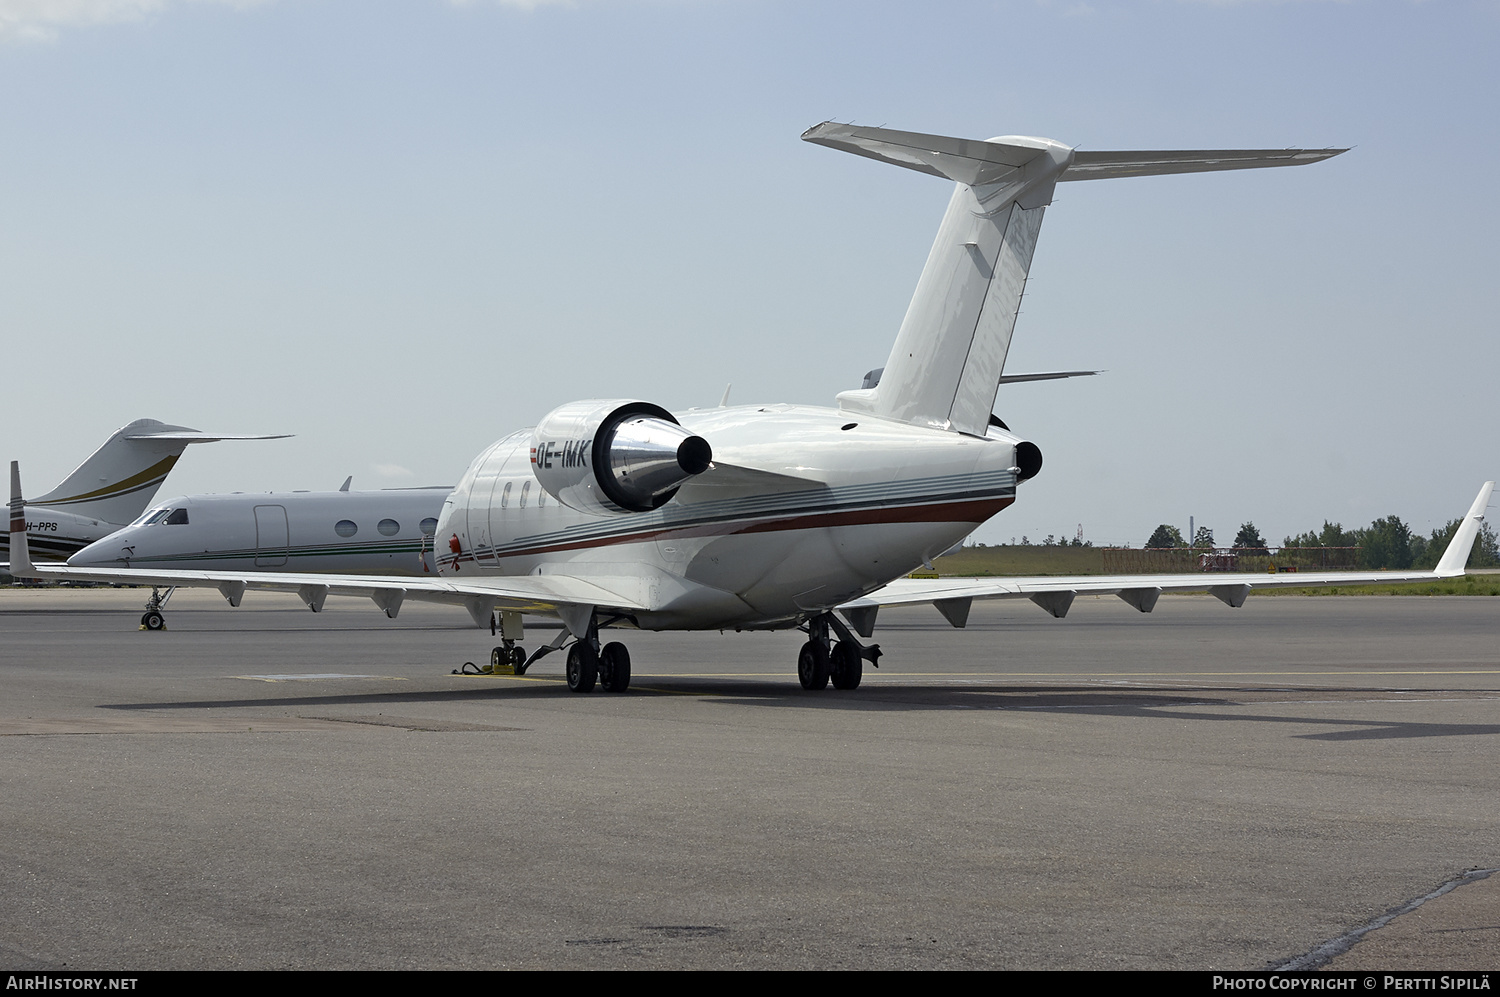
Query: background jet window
{"type": "Point", "coordinates": [429, 526]}
{"type": "Point", "coordinates": [178, 518]}
{"type": "Point", "coordinates": [388, 527]}
{"type": "Point", "coordinates": [345, 528]}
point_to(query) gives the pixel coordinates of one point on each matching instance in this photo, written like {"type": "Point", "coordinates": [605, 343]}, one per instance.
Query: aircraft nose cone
{"type": "Point", "coordinates": [106, 553]}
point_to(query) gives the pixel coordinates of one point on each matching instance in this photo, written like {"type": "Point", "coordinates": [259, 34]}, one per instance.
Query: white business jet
{"type": "Point", "coordinates": [617, 513]}
{"type": "Point", "coordinates": [382, 532]}
{"type": "Point", "coordinates": [110, 488]}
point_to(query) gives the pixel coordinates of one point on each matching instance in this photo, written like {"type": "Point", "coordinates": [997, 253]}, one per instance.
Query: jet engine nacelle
{"type": "Point", "coordinates": [615, 455]}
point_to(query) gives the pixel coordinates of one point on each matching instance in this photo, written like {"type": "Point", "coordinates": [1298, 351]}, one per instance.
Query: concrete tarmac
{"type": "Point", "coordinates": [1198, 788]}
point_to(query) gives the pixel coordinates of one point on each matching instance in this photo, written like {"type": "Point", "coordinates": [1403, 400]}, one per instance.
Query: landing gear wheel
{"type": "Point", "coordinates": [152, 620]}
{"type": "Point", "coordinates": [812, 665]}
{"type": "Point", "coordinates": [614, 667]}
{"type": "Point", "coordinates": [847, 665]}
{"type": "Point", "coordinates": [583, 667]}
{"type": "Point", "coordinates": [507, 661]}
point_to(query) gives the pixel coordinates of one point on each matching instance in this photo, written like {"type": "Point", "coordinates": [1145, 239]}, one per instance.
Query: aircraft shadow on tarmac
{"type": "Point", "coordinates": [1139, 702]}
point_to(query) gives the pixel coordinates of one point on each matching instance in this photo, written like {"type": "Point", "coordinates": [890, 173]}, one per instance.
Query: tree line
{"type": "Point", "coordinates": [1385, 543]}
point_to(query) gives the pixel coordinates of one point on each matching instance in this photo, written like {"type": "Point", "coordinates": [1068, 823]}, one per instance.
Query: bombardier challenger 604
{"type": "Point", "coordinates": [617, 513]}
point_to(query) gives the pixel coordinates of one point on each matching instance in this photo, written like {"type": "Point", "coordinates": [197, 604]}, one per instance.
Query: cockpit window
{"type": "Point", "coordinates": [155, 516]}
{"type": "Point", "coordinates": [178, 518]}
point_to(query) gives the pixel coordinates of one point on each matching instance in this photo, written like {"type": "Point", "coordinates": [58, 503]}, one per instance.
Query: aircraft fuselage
{"type": "Point", "coordinates": [803, 509]}
{"type": "Point", "coordinates": [374, 532]}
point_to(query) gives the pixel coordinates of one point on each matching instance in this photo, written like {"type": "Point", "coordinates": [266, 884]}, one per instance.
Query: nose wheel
{"type": "Point", "coordinates": [152, 618]}
{"type": "Point", "coordinates": [508, 659]}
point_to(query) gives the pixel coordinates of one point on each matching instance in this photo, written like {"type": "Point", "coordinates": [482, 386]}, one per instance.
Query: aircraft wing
{"type": "Point", "coordinates": [479, 595]}
{"type": "Point", "coordinates": [953, 597]}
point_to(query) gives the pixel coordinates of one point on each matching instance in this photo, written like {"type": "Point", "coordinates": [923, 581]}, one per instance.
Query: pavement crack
{"type": "Point", "coordinates": [1338, 946]}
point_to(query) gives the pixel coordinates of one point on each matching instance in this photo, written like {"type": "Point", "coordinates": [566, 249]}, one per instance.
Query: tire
{"type": "Point", "coordinates": [614, 667]}
{"type": "Point", "coordinates": [583, 667]}
{"type": "Point", "coordinates": [812, 665]}
{"type": "Point", "coordinates": [518, 659]}
{"type": "Point", "coordinates": [846, 665]}
{"type": "Point", "coordinates": [497, 658]}
{"type": "Point", "coordinates": [153, 620]}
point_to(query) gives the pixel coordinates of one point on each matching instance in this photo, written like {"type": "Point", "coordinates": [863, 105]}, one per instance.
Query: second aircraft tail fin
{"type": "Point", "coordinates": [118, 481]}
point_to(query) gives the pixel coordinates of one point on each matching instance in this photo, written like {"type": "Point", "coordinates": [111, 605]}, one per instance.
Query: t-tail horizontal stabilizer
{"type": "Point", "coordinates": [950, 353]}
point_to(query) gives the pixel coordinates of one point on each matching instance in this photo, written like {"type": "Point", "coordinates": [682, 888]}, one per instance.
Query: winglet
{"type": "Point", "coordinates": [20, 550]}
{"type": "Point", "coordinates": [1457, 554]}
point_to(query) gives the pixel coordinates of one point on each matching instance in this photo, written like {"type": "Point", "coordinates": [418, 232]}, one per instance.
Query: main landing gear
{"type": "Point", "coordinates": [588, 665]}
{"type": "Point", "coordinates": [832, 654]}
{"type": "Point", "coordinates": [152, 618]}
{"type": "Point", "coordinates": [821, 659]}
{"type": "Point", "coordinates": [609, 666]}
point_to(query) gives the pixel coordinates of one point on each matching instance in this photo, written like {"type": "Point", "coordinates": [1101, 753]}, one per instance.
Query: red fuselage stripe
{"type": "Point", "coordinates": [976, 511]}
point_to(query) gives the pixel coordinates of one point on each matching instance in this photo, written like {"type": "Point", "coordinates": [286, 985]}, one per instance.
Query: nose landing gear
{"type": "Point", "coordinates": [153, 618]}
{"type": "Point", "coordinates": [508, 659]}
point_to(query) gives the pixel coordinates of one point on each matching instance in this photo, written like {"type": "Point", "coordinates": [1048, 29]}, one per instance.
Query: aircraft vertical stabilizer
{"type": "Point", "coordinates": [118, 481]}
{"type": "Point", "coordinates": [950, 352]}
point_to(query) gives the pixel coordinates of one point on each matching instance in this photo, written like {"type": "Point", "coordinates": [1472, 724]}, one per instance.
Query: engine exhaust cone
{"type": "Point", "coordinates": [646, 459]}
{"type": "Point", "coordinates": [694, 455]}
{"type": "Point", "coordinates": [1028, 460]}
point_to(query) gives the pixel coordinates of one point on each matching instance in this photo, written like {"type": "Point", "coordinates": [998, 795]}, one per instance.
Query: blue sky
{"type": "Point", "coordinates": [403, 229]}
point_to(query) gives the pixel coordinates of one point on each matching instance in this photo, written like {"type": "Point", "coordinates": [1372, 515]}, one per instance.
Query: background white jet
{"type": "Point", "coordinates": [388, 531]}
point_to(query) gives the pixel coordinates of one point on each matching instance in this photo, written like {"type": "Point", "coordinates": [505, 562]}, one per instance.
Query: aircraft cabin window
{"type": "Point", "coordinates": [505, 495]}
{"type": "Point", "coordinates": [388, 527]}
{"type": "Point", "coordinates": [345, 528]}
{"type": "Point", "coordinates": [525, 490]}
{"type": "Point", "coordinates": [429, 526]}
{"type": "Point", "coordinates": [178, 518]}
